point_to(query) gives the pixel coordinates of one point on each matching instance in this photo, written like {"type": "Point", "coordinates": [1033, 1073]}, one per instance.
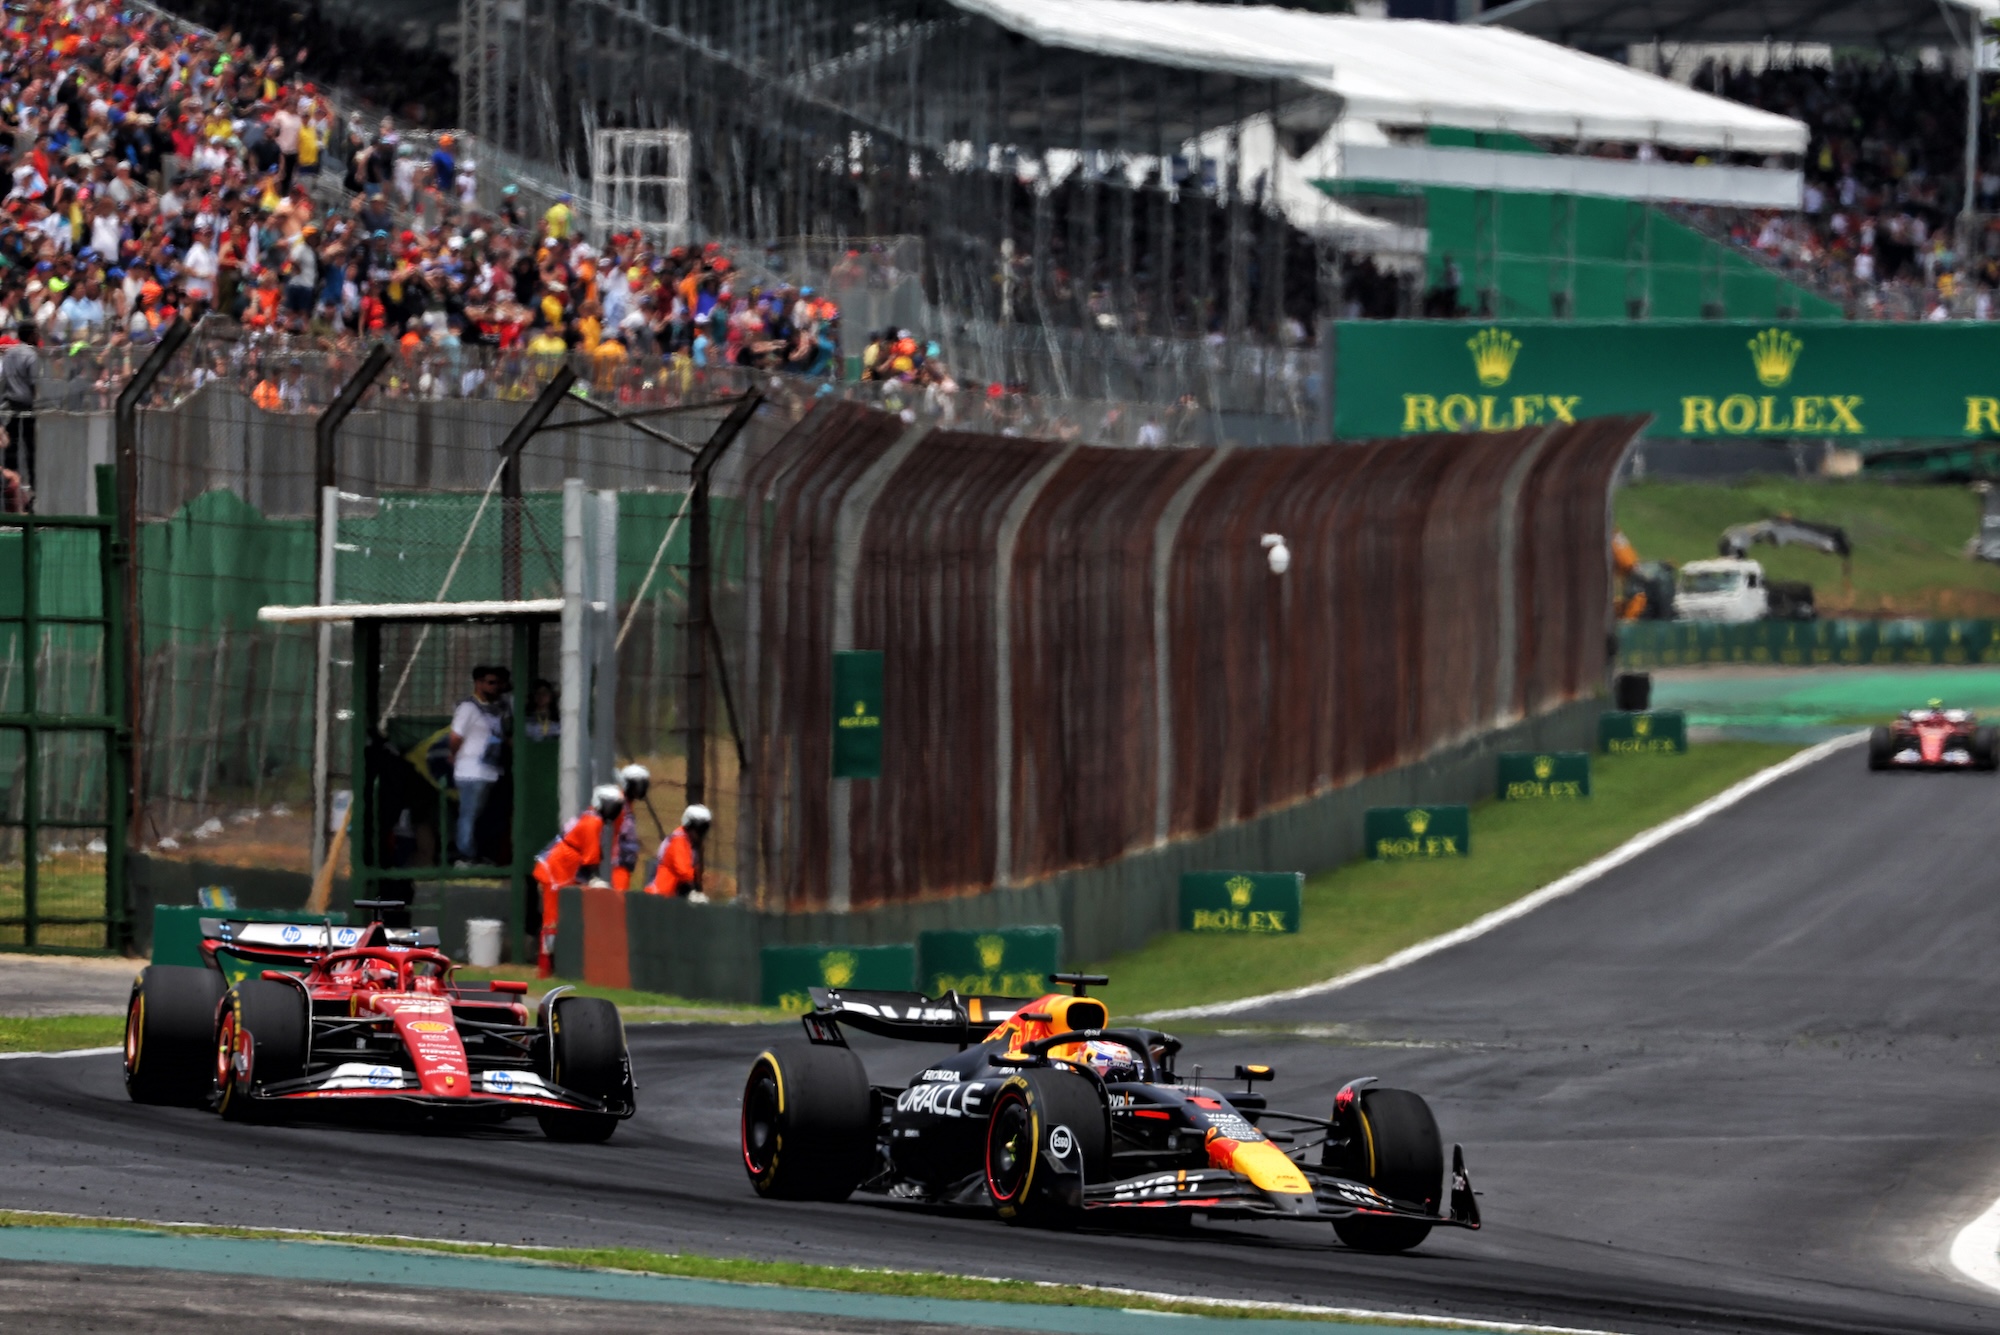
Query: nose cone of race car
{"type": "Point", "coordinates": [1268, 1170]}
{"type": "Point", "coordinates": [433, 1043]}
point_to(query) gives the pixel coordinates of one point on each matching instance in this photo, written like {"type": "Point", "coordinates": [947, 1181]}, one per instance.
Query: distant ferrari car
{"type": "Point", "coordinates": [1047, 1115]}
{"type": "Point", "coordinates": [1934, 738]}
{"type": "Point", "coordinates": [325, 1017]}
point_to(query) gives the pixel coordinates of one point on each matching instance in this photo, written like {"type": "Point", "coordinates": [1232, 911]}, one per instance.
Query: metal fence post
{"type": "Point", "coordinates": [695, 629]}
{"type": "Point", "coordinates": [127, 438]}
{"type": "Point", "coordinates": [326, 517]}
{"type": "Point", "coordinates": [517, 440]}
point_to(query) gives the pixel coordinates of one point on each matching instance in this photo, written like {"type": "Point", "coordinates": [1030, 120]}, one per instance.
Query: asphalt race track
{"type": "Point", "coordinates": [1746, 1082]}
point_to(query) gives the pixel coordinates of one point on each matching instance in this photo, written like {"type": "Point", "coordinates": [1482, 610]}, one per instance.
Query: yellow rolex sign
{"type": "Point", "coordinates": [1537, 775]}
{"type": "Point", "coordinates": [791, 972]}
{"type": "Point", "coordinates": [857, 715]}
{"type": "Point", "coordinates": [1658, 732]}
{"type": "Point", "coordinates": [1396, 834]}
{"type": "Point", "coordinates": [1698, 379]}
{"type": "Point", "coordinates": [1260, 903]}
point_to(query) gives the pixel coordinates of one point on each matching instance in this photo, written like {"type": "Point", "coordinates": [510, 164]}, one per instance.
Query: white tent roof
{"type": "Point", "coordinates": [1407, 72]}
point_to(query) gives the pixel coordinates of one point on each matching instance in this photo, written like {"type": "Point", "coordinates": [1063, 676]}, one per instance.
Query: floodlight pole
{"type": "Point", "coordinates": [517, 440]}
{"type": "Point", "coordinates": [696, 629]}
{"type": "Point", "coordinates": [326, 512]}
{"type": "Point", "coordinates": [126, 548]}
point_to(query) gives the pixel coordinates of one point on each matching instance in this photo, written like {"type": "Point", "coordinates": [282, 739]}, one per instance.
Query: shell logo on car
{"type": "Point", "coordinates": [430, 1027]}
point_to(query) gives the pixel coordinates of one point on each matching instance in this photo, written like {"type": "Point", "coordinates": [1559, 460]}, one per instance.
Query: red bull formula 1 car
{"type": "Point", "coordinates": [1934, 738]}
{"type": "Point", "coordinates": [1048, 1115]}
{"type": "Point", "coordinates": [290, 1018]}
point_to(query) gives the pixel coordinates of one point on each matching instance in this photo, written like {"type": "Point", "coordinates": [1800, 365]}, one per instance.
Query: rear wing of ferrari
{"type": "Point", "coordinates": [292, 941]}
{"type": "Point", "coordinates": [950, 1018]}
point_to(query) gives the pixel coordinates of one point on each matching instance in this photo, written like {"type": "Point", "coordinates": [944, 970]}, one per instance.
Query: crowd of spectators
{"type": "Point", "coordinates": [1884, 175]}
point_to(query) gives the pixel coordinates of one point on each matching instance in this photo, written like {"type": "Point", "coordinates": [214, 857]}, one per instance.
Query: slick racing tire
{"type": "Point", "coordinates": [1394, 1148]}
{"type": "Point", "coordinates": [169, 1035]}
{"type": "Point", "coordinates": [260, 1039]}
{"type": "Point", "coordinates": [1041, 1118]}
{"type": "Point", "coordinates": [1985, 748]}
{"type": "Point", "coordinates": [1881, 747]}
{"type": "Point", "coordinates": [809, 1123]}
{"type": "Point", "coordinates": [586, 1054]}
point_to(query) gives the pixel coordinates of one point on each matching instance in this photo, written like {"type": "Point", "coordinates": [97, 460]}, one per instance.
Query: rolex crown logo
{"type": "Point", "coordinates": [1240, 888]}
{"type": "Point", "coordinates": [1493, 354]}
{"type": "Point", "coordinates": [1544, 766]}
{"type": "Point", "coordinates": [1419, 820]}
{"type": "Point", "coordinates": [837, 968]}
{"type": "Point", "coordinates": [1642, 725]}
{"type": "Point", "coordinates": [860, 708]}
{"type": "Point", "coordinates": [1774, 353]}
{"type": "Point", "coordinates": [992, 950]}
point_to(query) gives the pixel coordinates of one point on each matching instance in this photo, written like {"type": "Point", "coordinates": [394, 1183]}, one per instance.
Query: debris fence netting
{"type": "Point", "coordinates": [1086, 649]}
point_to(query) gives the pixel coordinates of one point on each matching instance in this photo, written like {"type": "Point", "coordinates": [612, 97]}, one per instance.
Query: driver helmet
{"type": "Point", "coordinates": [609, 799]}
{"type": "Point", "coordinates": [1111, 1061]}
{"type": "Point", "coordinates": [637, 780]}
{"type": "Point", "coordinates": [380, 971]}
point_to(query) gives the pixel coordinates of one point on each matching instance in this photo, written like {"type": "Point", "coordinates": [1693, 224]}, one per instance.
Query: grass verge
{"type": "Point", "coordinates": [1365, 911]}
{"type": "Point", "coordinates": [59, 1033]}
{"type": "Point", "coordinates": [785, 1274]}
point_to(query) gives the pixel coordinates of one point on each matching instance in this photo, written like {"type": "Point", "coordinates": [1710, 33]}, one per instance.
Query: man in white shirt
{"type": "Point", "coordinates": [200, 265]}
{"type": "Point", "coordinates": [476, 740]}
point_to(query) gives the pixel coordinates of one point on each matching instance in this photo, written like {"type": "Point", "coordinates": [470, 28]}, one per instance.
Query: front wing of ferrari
{"type": "Point", "coordinates": [488, 1090]}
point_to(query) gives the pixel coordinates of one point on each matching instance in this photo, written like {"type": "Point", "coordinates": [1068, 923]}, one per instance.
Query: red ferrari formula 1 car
{"type": "Point", "coordinates": [1934, 738]}
{"type": "Point", "coordinates": [325, 1017]}
{"type": "Point", "coordinates": [1047, 1115]}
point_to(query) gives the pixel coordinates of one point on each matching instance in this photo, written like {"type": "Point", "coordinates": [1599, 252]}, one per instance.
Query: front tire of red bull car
{"type": "Point", "coordinates": [1391, 1144]}
{"type": "Point", "coordinates": [1048, 1134]}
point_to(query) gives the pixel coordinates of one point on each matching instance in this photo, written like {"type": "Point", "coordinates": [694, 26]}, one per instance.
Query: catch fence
{"type": "Point", "coordinates": [1087, 651]}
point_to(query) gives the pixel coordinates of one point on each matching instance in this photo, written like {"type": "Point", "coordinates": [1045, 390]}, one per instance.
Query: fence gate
{"type": "Point", "coordinates": [65, 730]}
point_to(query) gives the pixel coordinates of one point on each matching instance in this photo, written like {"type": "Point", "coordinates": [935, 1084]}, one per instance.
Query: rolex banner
{"type": "Point", "coordinates": [1241, 901]}
{"type": "Point", "coordinates": [1003, 962]}
{"type": "Point", "coordinates": [857, 714]}
{"type": "Point", "coordinates": [1659, 732]}
{"type": "Point", "coordinates": [1528, 776]}
{"type": "Point", "coordinates": [1397, 834]}
{"type": "Point", "coordinates": [1706, 380]}
{"type": "Point", "coordinates": [789, 971]}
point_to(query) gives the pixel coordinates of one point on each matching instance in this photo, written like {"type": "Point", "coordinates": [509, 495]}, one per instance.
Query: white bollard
{"type": "Point", "coordinates": [482, 942]}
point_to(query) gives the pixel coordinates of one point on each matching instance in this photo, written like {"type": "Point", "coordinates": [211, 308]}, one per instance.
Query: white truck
{"type": "Point", "coordinates": [1733, 589]}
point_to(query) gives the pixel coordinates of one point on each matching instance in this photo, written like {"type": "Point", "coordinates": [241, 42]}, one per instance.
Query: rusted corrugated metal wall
{"type": "Point", "coordinates": [1086, 651]}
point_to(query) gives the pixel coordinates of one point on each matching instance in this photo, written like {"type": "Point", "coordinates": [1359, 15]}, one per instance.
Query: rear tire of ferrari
{"type": "Point", "coordinates": [268, 1021]}
{"type": "Point", "coordinates": [1028, 1113]}
{"type": "Point", "coordinates": [1881, 746]}
{"type": "Point", "coordinates": [1985, 748]}
{"type": "Point", "coordinates": [808, 1123]}
{"type": "Point", "coordinates": [170, 1035]}
{"type": "Point", "coordinates": [587, 1055]}
{"type": "Point", "coordinates": [1401, 1155]}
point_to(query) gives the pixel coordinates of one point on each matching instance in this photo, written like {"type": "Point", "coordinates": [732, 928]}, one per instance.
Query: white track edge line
{"type": "Point", "coordinates": [193, 1228]}
{"type": "Point", "coordinates": [1639, 843]}
{"type": "Point", "coordinates": [65, 1052]}
{"type": "Point", "coordinates": [1975, 1251]}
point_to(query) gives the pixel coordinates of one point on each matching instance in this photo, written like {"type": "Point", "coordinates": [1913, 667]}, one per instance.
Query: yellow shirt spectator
{"type": "Point", "coordinates": [556, 221]}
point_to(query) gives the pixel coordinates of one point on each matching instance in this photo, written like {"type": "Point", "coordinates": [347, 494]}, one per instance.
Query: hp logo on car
{"type": "Point", "coordinates": [1061, 1142]}
{"type": "Point", "coordinates": [291, 933]}
{"type": "Point", "coordinates": [501, 1082]}
{"type": "Point", "coordinates": [382, 1076]}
